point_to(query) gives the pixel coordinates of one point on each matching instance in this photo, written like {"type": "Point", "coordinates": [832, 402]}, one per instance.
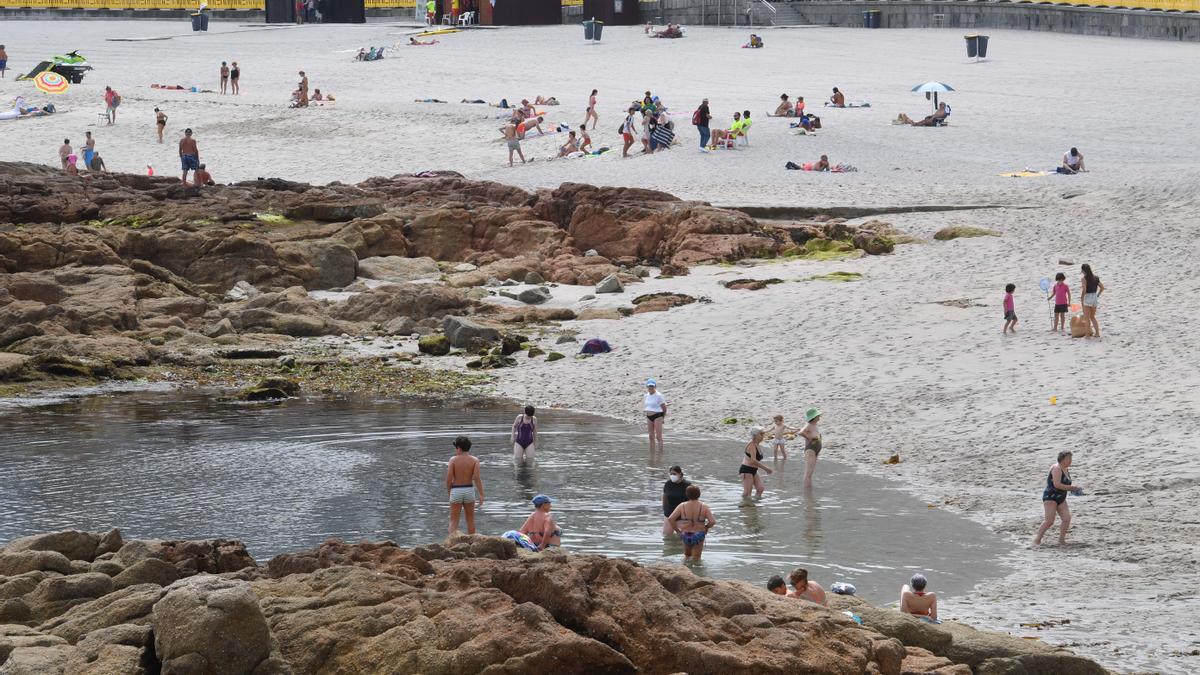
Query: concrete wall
{"type": "Point", "coordinates": [36, 13]}
{"type": "Point", "coordinates": [921, 13]}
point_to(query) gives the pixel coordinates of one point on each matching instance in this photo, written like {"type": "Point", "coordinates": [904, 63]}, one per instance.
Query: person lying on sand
{"type": "Point", "coordinates": [545, 100]}
{"type": "Point", "coordinates": [916, 601]}
{"type": "Point", "coordinates": [671, 31]}
{"type": "Point", "coordinates": [784, 109]}
{"type": "Point", "coordinates": [414, 42]}
{"type": "Point", "coordinates": [428, 100]}
{"type": "Point", "coordinates": [933, 120]}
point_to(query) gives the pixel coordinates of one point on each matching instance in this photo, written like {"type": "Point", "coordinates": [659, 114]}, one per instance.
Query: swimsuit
{"type": "Point", "coordinates": [462, 494]}
{"type": "Point", "coordinates": [525, 433]}
{"type": "Point", "coordinates": [752, 470]}
{"type": "Point", "coordinates": [813, 444]}
{"type": "Point", "coordinates": [691, 538]}
{"type": "Point", "coordinates": [653, 416]}
{"type": "Point", "coordinates": [1053, 494]}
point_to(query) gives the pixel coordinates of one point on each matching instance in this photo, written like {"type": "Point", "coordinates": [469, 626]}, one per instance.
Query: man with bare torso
{"type": "Point", "coordinates": [463, 484]}
{"type": "Point", "coordinates": [512, 135]}
{"type": "Point", "coordinates": [805, 589]}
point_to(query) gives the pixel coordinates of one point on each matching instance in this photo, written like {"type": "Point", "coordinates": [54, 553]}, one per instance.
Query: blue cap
{"type": "Point", "coordinates": [542, 499]}
{"type": "Point", "coordinates": [651, 383]}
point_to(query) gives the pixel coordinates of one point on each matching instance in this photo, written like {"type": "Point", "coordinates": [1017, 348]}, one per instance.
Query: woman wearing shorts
{"type": "Point", "coordinates": [655, 408]}
{"type": "Point", "coordinates": [1092, 289]}
{"type": "Point", "coordinates": [628, 131]}
{"type": "Point", "coordinates": [1054, 498]}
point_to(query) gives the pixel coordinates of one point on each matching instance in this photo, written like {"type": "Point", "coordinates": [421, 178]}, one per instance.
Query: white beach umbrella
{"type": "Point", "coordinates": [933, 87]}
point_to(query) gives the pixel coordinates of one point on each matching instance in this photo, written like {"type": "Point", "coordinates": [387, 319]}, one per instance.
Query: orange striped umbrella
{"type": "Point", "coordinates": [51, 82]}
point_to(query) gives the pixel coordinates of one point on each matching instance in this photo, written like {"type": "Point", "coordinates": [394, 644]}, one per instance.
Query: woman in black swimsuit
{"type": "Point", "coordinates": [1054, 498]}
{"type": "Point", "coordinates": [234, 74]}
{"type": "Point", "coordinates": [751, 463]}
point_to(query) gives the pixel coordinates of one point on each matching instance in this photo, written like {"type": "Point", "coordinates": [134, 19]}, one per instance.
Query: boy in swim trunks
{"type": "Point", "coordinates": [778, 441]}
{"type": "Point", "coordinates": [463, 484]}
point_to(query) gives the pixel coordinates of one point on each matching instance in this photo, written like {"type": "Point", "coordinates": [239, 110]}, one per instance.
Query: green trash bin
{"type": "Point", "coordinates": [871, 18]}
{"type": "Point", "coordinates": [196, 21]}
{"type": "Point", "coordinates": [592, 29]}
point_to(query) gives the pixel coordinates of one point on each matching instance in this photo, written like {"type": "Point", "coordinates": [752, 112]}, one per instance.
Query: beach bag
{"type": "Point", "coordinates": [696, 118]}
{"type": "Point", "coordinates": [595, 346]}
{"type": "Point", "coordinates": [116, 99]}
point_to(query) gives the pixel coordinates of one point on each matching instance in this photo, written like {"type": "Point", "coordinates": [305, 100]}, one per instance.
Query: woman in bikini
{"type": "Point", "coordinates": [1054, 498]}
{"type": "Point", "coordinates": [751, 463]}
{"type": "Point", "coordinates": [540, 526]}
{"type": "Point", "coordinates": [692, 520]}
{"type": "Point", "coordinates": [591, 110]}
{"type": "Point", "coordinates": [812, 444]}
{"type": "Point", "coordinates": [160, 121]}
{"type": "Point", "coordinates": [524, 436]}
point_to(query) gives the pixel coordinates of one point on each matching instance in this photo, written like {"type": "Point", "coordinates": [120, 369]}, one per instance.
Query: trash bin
{"type": "Point", "coordinates": [871, 18]}
{"type": "Point", "coordinates": [592, 29]}
{"type": "Point", "coordinates": [976, 46]}
{"type": "Point", "coordinates": [204, 21]}
{"type": "Point", "coordinates": [196, 21]}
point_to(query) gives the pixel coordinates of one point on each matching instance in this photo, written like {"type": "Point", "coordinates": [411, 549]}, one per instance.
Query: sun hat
{"type": "Point", "coordinates": [651, 382]}
{"type": "Point", "coordinates": [542, 499]}
{"type": "Point", "coordinates": [812, 414]}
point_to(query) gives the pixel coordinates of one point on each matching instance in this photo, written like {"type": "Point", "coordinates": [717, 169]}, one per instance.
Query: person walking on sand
{"type": "Point", "coordinates": [692, 520]}
{"type": "Point", "coordinates": [1092, 289]}
{"type": "Point", "coordinates": [674, 494]}
{"type": "Point", "coordinates": [751, 462]}
{"type": "Point", "coordinates": [302, 89]}
{"type": "Point", "coordinates": [591, 110]}
{"type": "Point", "coordinates": [224, 77]}
{"type": "Point", "coordinates": [234, 74]}
{"type": "Point", "coordinates": [524, 436]}
{"type": "Point", "coordinates": [654, 406]}
{"type": "Point", "coordinates": [463, 485]}
{"type": "Point", "coordinates": [700, 119]}
{"type": "Point", "coordinates": [805, 589]}
{"type": "Point", "coordinates": [628, 129]}
{"type": "Point", "coordinates": [778, 441]}
{"type": "Point", "coordinates": [3, 61]}
{"type": "Point", "coordinates": [189, 154]}
{"type": "Point", "coordinates": [914, 600]}
{"type": "Point", "coordinates": [1054, 498]}
{"type": "Point", "coordinates": [1010, 310]}
{"type": "Point", "coordinates": [811, 434]}
{"type": "Point", "coordinates": [1061, 293]}
{"type": "Point", "coordinates": [111, 100]}
{"type": "Point", "coordinates": [160, 123]}
{"type": "Point", "coordinates": [540, 526]}
{"type": "Point", "coordinates": [512, 137]}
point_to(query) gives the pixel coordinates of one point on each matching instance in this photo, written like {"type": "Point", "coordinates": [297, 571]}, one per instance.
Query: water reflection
{"type": "Point", "coordinates": [285, 477]}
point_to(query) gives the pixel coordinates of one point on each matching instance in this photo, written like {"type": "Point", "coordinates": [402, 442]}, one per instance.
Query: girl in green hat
{"type": "Point", "coordinates": [812, 444]}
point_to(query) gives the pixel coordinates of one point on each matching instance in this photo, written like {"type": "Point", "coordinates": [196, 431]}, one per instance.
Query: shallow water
{"type": "Point", "coordinates": [284, 477]}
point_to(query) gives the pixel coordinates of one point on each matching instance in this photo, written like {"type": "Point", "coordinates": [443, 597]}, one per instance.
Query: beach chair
{"type": "Point", "coordinates": [466, 18]}
{"type": "Point", "coordinates": [447, 20]}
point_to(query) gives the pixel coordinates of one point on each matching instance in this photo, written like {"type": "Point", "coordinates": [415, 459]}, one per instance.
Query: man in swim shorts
{"type": "Point", "coordinates": [189, 154]}
{"type": "Point", "coordinates": [511, 136]}
{"type": "Point", "coordinates": [463, 484]}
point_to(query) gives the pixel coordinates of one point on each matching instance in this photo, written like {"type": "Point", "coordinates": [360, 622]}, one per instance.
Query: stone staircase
{"type": "Point", "coordinates": [786, 14]}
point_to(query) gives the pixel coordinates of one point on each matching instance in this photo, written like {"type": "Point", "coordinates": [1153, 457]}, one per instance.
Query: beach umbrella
{"type": "Point", "coordinates": [51, 82]}
{"type": "Point", "coordinates": [933, 87]}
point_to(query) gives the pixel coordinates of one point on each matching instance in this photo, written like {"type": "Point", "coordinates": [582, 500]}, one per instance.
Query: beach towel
{"type": "Point", "coordinates": [1024, 173]}
{"type": "Point", "coordinates": [662, 136]}
{"type": "Point", "coordinates": [864, 104]}
{"type": "Point", "coordinates": [521, 540]}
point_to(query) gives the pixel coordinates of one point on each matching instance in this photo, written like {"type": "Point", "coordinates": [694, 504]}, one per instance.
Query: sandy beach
{"type": "Point", "coordinates": [908, 360]}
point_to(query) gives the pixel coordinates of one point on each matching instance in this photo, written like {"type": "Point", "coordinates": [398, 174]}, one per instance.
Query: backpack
{"type": "Point", "coordinates": [116, 99]}
{"type": "Point", "coordinates": [696, 118]}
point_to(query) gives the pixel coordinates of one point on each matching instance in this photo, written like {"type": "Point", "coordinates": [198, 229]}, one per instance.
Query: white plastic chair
{"type": "Point", "coordinates": [466, 18]}
{"type": "Point", "coordinates": [447, 20]}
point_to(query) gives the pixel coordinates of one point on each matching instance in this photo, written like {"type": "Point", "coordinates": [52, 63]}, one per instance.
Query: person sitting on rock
{"type": "Point", "coordinates": [916, 601]}
{"type": "Point", "coordinates": [540, 526]}
{"type": "Point", "coordinates": [805, 589]}
{"type": "Point", "coordinates": [777, 586]}
{"type": "Point", "coordinates": [202, 177]}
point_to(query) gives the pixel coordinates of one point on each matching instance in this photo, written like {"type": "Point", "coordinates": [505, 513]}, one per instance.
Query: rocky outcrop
{"type": "Point", "coordinates": [470, 604]}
